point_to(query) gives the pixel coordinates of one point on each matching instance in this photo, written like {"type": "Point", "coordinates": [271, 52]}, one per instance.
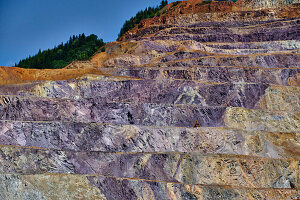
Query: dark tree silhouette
{"type": "Point", "coordinates": [76, 48]}
{"type": "Point", "coordinates": [149, 12]}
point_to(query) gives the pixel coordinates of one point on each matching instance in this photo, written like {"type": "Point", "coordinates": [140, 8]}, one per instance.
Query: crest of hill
{"type": "Point", "coordinates": [173, 11]}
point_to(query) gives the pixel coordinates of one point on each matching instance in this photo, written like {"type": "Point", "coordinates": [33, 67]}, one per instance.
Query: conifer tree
{"type": "Point", "coordinates": [77, 48]}
{"type": "Point", "coordinates": [149, 12]}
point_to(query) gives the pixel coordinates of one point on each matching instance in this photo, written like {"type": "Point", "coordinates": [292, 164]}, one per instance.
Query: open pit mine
{"type": "Point", "coordinates": [202, 102]}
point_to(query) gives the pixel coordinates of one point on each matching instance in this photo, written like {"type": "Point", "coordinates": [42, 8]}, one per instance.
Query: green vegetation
{"type": "Point", "coordinates": [149, 12]}
{"type": "Point", "coordinates": [77, 48]}
{"type": "Point", "coordinates": [175, 3]}
{"type": "Point", "coordinates": [81, 47]}
{"type": "Point", "coordinates": [207, 2]}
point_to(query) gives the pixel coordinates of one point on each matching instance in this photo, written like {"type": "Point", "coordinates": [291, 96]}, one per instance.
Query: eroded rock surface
{"type": "Point", "coordinates": [202, 102]}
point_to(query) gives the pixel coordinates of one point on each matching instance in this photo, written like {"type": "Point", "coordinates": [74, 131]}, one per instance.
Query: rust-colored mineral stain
{"type": "Point", "coordinates": [15, 75]}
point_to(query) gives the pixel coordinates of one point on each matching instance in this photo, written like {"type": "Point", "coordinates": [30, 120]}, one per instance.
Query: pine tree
{"type": "Point", "coordinates": [64, 53]}
{"type": "Point", "coordinates": [143, 14]}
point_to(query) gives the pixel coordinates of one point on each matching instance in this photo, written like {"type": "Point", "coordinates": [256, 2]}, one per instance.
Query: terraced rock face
{"type": "Point", "coordinates": [201, 103]}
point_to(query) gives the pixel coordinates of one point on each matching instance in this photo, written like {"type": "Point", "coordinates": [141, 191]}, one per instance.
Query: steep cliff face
{"type": "Point", "coordinates": [200, 103]}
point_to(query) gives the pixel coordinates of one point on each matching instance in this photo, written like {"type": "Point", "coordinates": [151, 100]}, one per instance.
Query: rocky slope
{"type": "Point", "coordinates": [200, 103]}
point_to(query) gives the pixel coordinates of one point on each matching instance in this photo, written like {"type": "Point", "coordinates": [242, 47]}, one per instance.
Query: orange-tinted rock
{"type": "Point", "coordinates": [202, 102]}
{"type": "Point", "coordinates": [15, 75]}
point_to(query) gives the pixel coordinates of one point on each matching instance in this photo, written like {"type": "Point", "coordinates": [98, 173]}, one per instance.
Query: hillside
{"type": "Point", "coordinates": [76, 48]}
{"type": "Point", "coordinates": [200, 102]}
{"type": "Point", "coordinates": [149, 12]}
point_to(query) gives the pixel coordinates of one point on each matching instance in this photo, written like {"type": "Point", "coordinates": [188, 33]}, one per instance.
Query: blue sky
{"type": "Point", "coordinates": [29, 25]}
